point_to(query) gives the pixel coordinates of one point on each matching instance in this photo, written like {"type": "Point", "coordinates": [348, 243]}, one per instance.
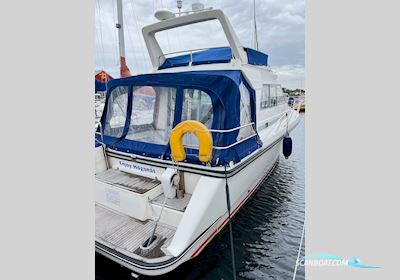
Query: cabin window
{"type": "Point", "coordinates": [116, 112]}
{"type": "Point", "coordinates": [274, 95]}
{"type": "Point", "coordinates": [197, 106]}
{"type": "Point", "coordinates": [271, 95]}
{"type": "Point", "coordinates": [152, 114]}
{"type": "Point", "coordinates": [281, 96]}
{"type": "Point", "coordinates": [245, 113]}
{"type": "Point", "coordinates": [265, 97]}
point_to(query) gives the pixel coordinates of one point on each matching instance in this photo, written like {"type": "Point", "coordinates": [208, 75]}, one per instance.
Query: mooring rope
{"type": "Point", "coordinates": [298, 253]}
{"type": "Point", "coordinates": [228, 205]}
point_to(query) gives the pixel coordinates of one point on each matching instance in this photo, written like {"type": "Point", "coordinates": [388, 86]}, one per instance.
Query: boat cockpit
{"type": "Point", "coordinates": [141, 111]}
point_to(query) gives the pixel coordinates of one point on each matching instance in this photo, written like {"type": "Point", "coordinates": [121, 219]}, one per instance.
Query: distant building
{"type": "Point", "coordinates": [295, 92]}
{"type": "Point", "coordinates": [102, 76]}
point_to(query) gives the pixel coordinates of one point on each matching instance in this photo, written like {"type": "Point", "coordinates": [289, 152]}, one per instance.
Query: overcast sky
{"type": "Point", "coordinates": [280, 25]}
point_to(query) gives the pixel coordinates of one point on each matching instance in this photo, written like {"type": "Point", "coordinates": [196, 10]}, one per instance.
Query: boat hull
{"type": "Point", "coordinates": [242, 186]}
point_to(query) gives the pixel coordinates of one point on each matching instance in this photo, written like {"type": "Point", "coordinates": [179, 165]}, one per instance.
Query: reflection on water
{"type": "Point", "coordinates": [266, 231]}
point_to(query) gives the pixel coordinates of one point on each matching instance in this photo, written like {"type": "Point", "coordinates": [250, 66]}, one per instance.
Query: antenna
{"type": "Point", "coordinates": [179, 6]}
{"type": "Point", "coordinates": [166, 14]}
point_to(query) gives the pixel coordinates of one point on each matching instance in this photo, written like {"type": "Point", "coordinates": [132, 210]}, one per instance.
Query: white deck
{"type": "Point", "coordinates": [125, 234]}
{"type": "Point", "coordinates": [178, 204]}
{"type": "Point", "coordinates": [127, 181]}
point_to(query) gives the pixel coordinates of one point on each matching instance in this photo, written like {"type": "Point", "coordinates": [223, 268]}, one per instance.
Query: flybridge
{"type": "Point", "coordinates": [234, 50]}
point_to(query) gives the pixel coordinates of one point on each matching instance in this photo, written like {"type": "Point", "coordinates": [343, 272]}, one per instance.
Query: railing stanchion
{"type": "Point", "coordinates": [100, 127]}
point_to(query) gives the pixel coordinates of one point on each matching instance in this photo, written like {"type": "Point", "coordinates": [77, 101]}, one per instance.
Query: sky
{"type": "Point", "coordinates": [280, 29]}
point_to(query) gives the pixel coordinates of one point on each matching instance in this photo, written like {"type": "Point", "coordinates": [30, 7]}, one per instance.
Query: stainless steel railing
{"type": "Point", "coordinates": [190, 54]}
{"type": "Point", "coordinates": [99, 126]}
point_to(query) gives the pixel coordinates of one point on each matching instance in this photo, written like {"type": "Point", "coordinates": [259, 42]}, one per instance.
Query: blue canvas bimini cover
{"type": "Point", "coordinates": [214, 55]}
{"type": "Point", "coordinates": [223, 88]}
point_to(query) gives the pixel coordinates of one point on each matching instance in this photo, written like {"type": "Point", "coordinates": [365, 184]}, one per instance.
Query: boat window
{"type": "Point", "coordinates": [245, 113]}
{"type": "Point", "coordinates": [271, 95]}
{"type": "Point", "coordinates": [265, 97]}
{"type": "Point", "coordinates": [152, 114]}
{"type": "Point", "coordinates": [281, 96]}
{"type": "Point", "coordinates": [116, 112]}
{"type": "Point", "coordinates": [197, 106]}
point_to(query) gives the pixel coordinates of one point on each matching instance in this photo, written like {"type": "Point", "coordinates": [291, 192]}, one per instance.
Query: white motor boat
{"type": "Point", "coordinates": [177, 148]}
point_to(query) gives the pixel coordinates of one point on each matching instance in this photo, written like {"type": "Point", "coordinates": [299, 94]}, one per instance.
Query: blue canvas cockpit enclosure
{"type": "Point", "coordinates": [141, 111]}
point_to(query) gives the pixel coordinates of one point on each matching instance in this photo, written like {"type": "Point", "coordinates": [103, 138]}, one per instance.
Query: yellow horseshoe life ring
{"type": "Point", "coordinates": [202, 133]}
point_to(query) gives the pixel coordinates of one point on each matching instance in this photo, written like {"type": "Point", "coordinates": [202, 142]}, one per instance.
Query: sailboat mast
{"type": "Point", "coordinates": [255, 26]}
{"type": "Point", "coordinates": [124, 70]}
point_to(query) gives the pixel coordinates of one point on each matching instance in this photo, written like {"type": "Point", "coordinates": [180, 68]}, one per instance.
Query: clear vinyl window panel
{"type": "Point", "coordinates": [245, 114]}
{"type": "Point", "coordinates": [197, 106]}
{"type": "Point", "coordinates": [116, 112]}
{"type": "Point", "coordinates": [152, 117]}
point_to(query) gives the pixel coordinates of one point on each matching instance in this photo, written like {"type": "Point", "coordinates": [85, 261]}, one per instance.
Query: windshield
{"type": "Point", "coordinates": [189, 37]}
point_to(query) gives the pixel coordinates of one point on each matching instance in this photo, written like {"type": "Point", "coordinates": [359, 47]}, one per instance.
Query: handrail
{"type": "Point", "coordinates": [100, 126]}
{"type": "Point", "coordinates": [279, 117]}
{"type": "Point", "coordinates": [196, 146]}
{"type": "Point", "coordinates": [224, 131]}
{"type": "Point", "coordinates": [224, 147]}
{"type": "Point", "coordinates": [273, 117]}
{"type": "Point", "coordinates": [231, 129]}
{"type": "Point", "coordinates": [190, 52]}
{"type": "Point", "coordinates": [227, 130]}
